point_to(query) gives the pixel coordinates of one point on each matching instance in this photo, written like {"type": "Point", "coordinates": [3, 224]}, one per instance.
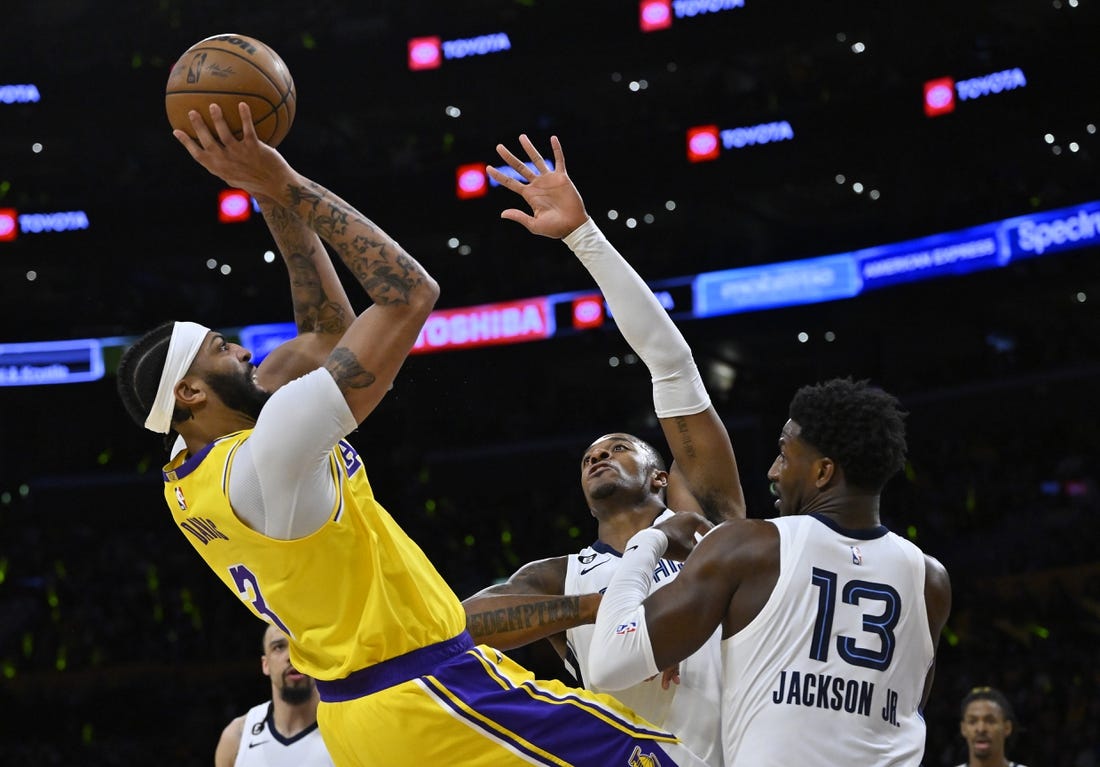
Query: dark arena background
{"type": "Point", "coordinates": [940, 156]}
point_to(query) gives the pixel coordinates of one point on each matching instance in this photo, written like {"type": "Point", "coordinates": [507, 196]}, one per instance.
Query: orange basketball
{"type": "Point", "coordinates": [228, 69]}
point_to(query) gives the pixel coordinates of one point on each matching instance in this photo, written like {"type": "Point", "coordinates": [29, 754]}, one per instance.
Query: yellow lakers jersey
{"type": "Point", "coordinates": [354, 593]}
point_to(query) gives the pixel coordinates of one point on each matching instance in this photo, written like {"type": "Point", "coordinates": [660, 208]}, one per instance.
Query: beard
{"type": "Point", "coordinates": [298, 694]}
{"type": "Point", "coordinates": [239, 392]}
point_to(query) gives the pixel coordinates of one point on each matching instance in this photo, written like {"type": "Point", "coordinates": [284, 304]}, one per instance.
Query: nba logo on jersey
{"type": "Point", "coordinates": [857, 555]}
{"type": "Point", "coordinates": [180, 499]}
{"type": "Point", "coordinates": [626, 628]}
{"type": "Point", "coordinates": [352, 462]}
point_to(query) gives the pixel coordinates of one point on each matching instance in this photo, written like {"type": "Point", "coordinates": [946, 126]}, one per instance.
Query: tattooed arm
{"type": "Point", "coordinates": [375, 345]}
{"type": "Point", "coordinates": [529, 606]}
{"type": "Point", "coordinates": [322, 311]}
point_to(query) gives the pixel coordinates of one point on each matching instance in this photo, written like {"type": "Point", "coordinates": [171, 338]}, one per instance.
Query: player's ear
{"type": "Point", "coordinates": [825, 471]}
{"type": "Point", "coordinates": [190, 392]}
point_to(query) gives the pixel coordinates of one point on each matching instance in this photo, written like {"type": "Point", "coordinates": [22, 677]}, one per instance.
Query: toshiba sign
{"type": "Point", "coordinates": [503, 323]}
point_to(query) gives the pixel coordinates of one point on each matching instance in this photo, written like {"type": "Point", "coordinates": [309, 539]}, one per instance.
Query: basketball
{"type": "Point", "coordinates": [228, 69]}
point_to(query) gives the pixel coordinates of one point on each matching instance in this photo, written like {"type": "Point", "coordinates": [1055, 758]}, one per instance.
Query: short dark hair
{"type": "Point", "coordinates": [655, 456]}
{"type": "Point", "coordinates": [139, 372]}
{"type": "Point", "coordinates": [859, 426]}
{"type": "Point", "coordinates": [991, 694]}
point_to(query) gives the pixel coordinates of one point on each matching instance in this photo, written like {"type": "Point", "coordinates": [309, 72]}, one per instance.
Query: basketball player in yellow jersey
{"type": "Point", "coordinates": [279, 506]}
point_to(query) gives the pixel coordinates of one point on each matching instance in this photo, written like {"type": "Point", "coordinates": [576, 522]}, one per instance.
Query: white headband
{"type": "Point", "coordinates": [187, 338]}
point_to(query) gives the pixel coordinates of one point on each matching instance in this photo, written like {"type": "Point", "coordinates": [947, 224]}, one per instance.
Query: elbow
{"type": "Point", "coordinates": [431, 288]}
{"type": "Point", "coordinates": [424, 297]}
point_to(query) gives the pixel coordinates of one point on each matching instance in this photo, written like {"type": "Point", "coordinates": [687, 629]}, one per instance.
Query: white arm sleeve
{"type": "Point", "coordinates": [677, 386]}
{"type": "Point", "coordinates": [281, 484]}
{"type": "Point", "coordinates": [621, 653]}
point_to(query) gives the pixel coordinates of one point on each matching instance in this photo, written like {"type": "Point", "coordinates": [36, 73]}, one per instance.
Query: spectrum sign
{"type": "Point", "coordinates": [1061, 230]}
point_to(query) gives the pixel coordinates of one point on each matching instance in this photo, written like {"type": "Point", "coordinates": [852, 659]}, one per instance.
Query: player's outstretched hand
{"type": "Point", "coordinates": [683, 531]}
{"type": "Point", "coordinates": [556, 205]}
{"type": "Point", "coordinates": [246, 163]}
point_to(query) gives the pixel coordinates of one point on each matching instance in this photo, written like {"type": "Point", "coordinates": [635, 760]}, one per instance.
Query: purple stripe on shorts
{"type": "Point", "coordinates": [371, 679]}
{"type": "Point", "coordinates": [571, 727]}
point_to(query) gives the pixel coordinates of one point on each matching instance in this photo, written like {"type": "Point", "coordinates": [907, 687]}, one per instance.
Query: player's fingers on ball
{"type": "Point", "coordinates": [221, 127]}
{"type": "Point", "coordinates": [248, 128]}
{"type": "Point", "coordinates": [202, 130]}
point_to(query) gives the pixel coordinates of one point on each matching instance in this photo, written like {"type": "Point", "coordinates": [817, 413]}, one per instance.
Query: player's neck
{"type": "Point", "coordinates": [993, 759]}
{"type": "Point", "coordinates": [851, 511]}
{"type": "Point", "coordinates": [291, 719]}
{"type": "Point", "coordinates": [200, 432]}
{"type": "Point", "coordinates": [618, 525]}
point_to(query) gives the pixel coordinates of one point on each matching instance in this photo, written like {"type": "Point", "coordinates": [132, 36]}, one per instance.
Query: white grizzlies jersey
{"type": "Point", "coordinates": [689, 709]}
{"type": "Point", "coordinates": [262, 746]}
{"type": "Point", "coordinates": [833, 668]}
